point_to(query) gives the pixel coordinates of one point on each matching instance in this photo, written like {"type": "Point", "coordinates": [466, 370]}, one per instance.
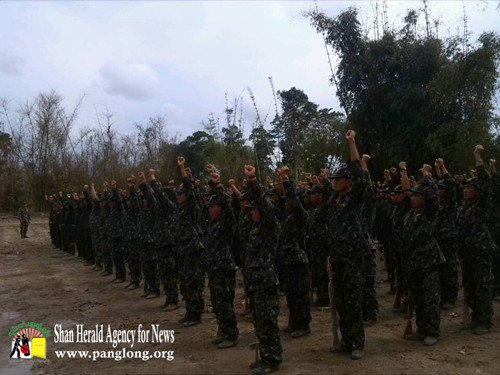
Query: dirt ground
{"type": "Point", "coordinates": [42, 284]}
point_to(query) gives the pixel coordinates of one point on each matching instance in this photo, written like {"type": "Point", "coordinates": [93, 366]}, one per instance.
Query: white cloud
{"type": "Point", "coordinates": [131, 79]}
{"type": "Point", "coordinates": [10, 64]}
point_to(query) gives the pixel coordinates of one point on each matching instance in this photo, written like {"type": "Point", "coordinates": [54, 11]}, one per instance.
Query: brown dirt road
{"type": "Point", "coordinates": [42, 284]}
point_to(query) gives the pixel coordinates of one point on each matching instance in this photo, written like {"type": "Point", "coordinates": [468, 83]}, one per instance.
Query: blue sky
{"type": "Point", "coordinates": [178, 59]}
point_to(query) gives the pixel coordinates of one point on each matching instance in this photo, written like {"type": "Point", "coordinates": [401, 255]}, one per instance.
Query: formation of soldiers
{"type": "Point", "coordinates": [285, 238]}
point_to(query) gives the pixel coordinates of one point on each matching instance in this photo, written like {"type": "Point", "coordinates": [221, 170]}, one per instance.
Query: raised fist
{"type": "Point", "coordinates": [315, 179]}
{"type": "Point", "coordinates": [142, 176]}
{"type": "Point", "coordinates": [180, 161]}
{"type": "Point", "coordinates": [393, 170]}
{"type": "Point", "coordinates": [284, 171]}
{"type": "Point", "coordinates": [215, 178]}
{"type": "Point", "coordinates": [479, 150]}
{"type": "Point", "coordinates": [350, 135]}
{"type": "Point", "coordinates": [402, 165]}
{"type": "Point", "coordinates": [210, 168]}
{"type": "Point", "coordinates": [249, 171]}
{"type": "Point", "coordinates": [308, 176]}
{"type": "Point", "coordinates": [366, 158]}
{"type": "Point", "coordinates": [152, 174]}
{"type": "Point", "coordinates": [426, 169]}
{"type": "Point", "coordinates": [493, 162]}
{"type": "Point", "coordinates": [113, 184]}
{"type": "Point", "coordinates": [171, 183]}
{"type": "Point", "coordinates": [232, 182]}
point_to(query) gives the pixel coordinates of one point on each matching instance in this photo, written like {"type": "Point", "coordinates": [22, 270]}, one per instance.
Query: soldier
{"type": "Point", "coordinates": [292, 243]}
{"type": "Point", "coordinates": [165, 245]}
{"type": "Point", "coordinates": [423, 257]}
{"type": "Point", "coordinates": [494, 227]}
{"type": "Point", "coordinates": [104, 251]}
{"type": "Point", "coordinates": [370, 302]}
{"type": "Point", "coordinates": [348, 247]}
{"type": "Point", "coordinates": [401, 206]}
{"type": "Point", "coordinates": [190, 249]}
{"type": "Point", "coordinates": [84, 227]}
{"type": "Point", "coordinates": [220, 265]}
{"type": "Point", "coordinates": [318, 233]}
{"type": "Point", "coordinates": [245, 225]}
{"type": "Point", "coordinates": [115, 234]}
{"type": "Point", "coordinates": [446, 235]}
{"type": "Point", "coordinates": [476, 246]}
{"type": "Point", "coordinates": [24, 219]}
{"type": "Point", "coordinates": [383, 229]}
{"type": "Point", "coordinates": [95, 215]}
{"type": "Point", "coordinates": [51, 204]}
{"type": "Point", "coordinates": [132, 251]}
{"type": "Point", "coordinates": [262, 277]}
{"type": "Point", "coordinates": [146, 240]}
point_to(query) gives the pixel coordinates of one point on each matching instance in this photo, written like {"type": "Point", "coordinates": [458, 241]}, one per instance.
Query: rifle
{"type": "Point", "coordinates": [408, 329]}
{"type": "Point", "coordinates": [333, 309]}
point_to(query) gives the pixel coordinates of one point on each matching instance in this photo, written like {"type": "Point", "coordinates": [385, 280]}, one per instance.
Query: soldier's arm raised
{"type": "Point", "coordinates": [405, 181]}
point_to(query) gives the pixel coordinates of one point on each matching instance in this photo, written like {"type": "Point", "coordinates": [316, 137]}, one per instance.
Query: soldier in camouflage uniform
{"type": "Point", "coordinates": [383, 229]}
{"type": "Point", "coordinates": [446, 235]}
{"type": "Point", "coordinates": [95, 216]}
{"type": "Point", "coordinates": [318, 244]}
{"type": "Point", "coordinates": [423, 256]}
{"type": "Point", "coordinates": [147, 235]}
{"type": "Point", "coordinates": [262, 277]}
{"type": "Point", "coordinates": [401, 206]}
{"type": "Point", "coordinates": [84, 227]}
{"type": "Point", "coordinates": [292, 243]}
{"type": "Point", "coordinates": [494, 227]}
{"type": "Point", "coordinates": [348, 247]}
{"type": "Point", "coordinates": [190, 250]}
{"type": "Point", "coordinates": [476, 246]}
{"type": "Point", "coordinates": [24, 219]}
{"type": "Point", "coordinates": [51, 203]}
{"type": "Point", "coordinates": [165, 245]}
{"type": "Point", "coordinates": [370, 302]}
{"type": "Point", "coordinates": [245, 225]}
{"type": "Point", "coordinates": [104, 251]}
{"type": "Point", "coordinates": [132, 250]}
{"type": "Point", "coordinates": [116, 233]}
{"type": "Point", "coordinates": [219, 261]}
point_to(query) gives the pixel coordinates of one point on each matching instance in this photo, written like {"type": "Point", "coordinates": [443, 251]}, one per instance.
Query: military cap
{"type": "Point", "coordinates": [398, 189]}
{"type": "Point", "coordinates": [245, 196]}
{"type": "Point", "coordinates": [385, 188]}
{"type": "Point", "coordinates": [213, 201]}
{"type": "Point", "coordinates": [417, 189]}
{"type": "Point", "coordinates": [343, 172]}
{"type": "Point", "coordinates": [273, 191]}
{"type": "Point", "coordinates": [317, 189]}
{"type": "Point", "coordinates": [441, 183]}
{"type": "Point", "coordinates": [472, 181]}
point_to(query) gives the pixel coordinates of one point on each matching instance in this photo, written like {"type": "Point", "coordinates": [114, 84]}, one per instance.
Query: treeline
{"type": "Point", "coordinates": [409, 94]}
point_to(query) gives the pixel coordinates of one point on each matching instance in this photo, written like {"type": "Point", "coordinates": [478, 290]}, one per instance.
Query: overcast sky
{"type": "Point", "coordinates": [142, 59]}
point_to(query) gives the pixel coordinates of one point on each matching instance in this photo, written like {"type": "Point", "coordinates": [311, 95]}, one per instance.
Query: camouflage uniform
{"type": "Point", "coordinates": [116, 233]}
{"type": "Point", "coordinates": [476, 250]}
{"type": "Point", "coordinates": [446, 235]}
{"type": "Point", "coordinates": [103, 251]}
{"type": "Point", "coordinates": [190, 249]}
{"type": "Point", "coordinates": [423, 257]}
{"type": "Point", "coordinates": [494, 228]}
{"type": "Point", "coordinates": [84, 227]}
{"type": "Point", "coordinates": [292, 244]}
{"type": "Point", "coordinates": [220, 266]}
{"type": "Point", "coordinates": [262, 278]}
{"type": "Point", "coordinates": [348, 247]}
{"type": "Point", "coordinates": [24, 219]}
{"type": "Point", "coordinates": [399, 212]}
{"type": "Point", "coordinates": [318, 247]}
{"type": "Point", "coordinates": [95, 215]}
{"type": "Point", "coordinates": [68, 229]}
{"type": "Point", "coordinates": [147, 233]}
{"type": "Point", "coordinates": [165, 244]}
{"type": "Point", "coordinates": [383, 229]}
{"type": "Point", "coordinates": [370, 302]}
{"type": "Point", "coordinates": [132, 250]}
